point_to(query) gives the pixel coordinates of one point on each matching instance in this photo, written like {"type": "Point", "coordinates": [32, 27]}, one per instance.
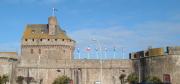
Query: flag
{"type": "Point", "coordinates": [78, 50]}
{"type": "Point", "coordinates": [96, 49]}
{"type": "Point", "coordinates": [88, 49]}
{"type": "Point", "coordinates": [54, 9]}
{"type": "Point", "coordinates": [105, 49]}
{"type": "Point", "coordinates": [114, 49]}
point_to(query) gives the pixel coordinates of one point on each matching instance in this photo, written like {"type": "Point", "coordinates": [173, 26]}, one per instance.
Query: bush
{"type": "Point", "coordinates": [132, 78]}
{"type": "Point", "coordinates": [153, 80]}
{"type": "Point", "coordinates": [62, 80]}
{"type": "Point", "coordinates": [20, 79]}
{"type": "Point", "coordinates": [4, 79]}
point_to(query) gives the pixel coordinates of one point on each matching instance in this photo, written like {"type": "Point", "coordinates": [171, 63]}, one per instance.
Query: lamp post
{"type": "Point", "coordinates": [100, 49]}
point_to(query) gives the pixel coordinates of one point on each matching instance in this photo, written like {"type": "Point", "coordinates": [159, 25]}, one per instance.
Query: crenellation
{"type": "Point", "coordinates": [47, 42]}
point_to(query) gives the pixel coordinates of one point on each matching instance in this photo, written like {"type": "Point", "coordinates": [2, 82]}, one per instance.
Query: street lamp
{"type": "Point", "coordinates": [100, 49]}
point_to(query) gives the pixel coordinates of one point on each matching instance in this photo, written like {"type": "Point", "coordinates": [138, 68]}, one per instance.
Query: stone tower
{"type": "Point", "coordinates": [46, 42]}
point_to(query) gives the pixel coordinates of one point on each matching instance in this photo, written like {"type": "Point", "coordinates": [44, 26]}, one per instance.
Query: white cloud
{"type": "Point", "coordinates": [155, 34]}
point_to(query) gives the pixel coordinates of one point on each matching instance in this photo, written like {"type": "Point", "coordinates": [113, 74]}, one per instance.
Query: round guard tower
{"type": "Point", "coordinates": [45, 49]}
{"type": "Point", "coordinates": [46, 42]}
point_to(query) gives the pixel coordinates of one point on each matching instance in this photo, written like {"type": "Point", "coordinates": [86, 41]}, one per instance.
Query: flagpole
{"type": "Point", "coordinates": [123, 52]}
{"type": "Point", "coordinates": [79, 55]}
{"type": "Point", "coordinates": [88, 55]}
{"type": "Point", "coordinates": [114, 53]}
{"type": "Point", "coordinates": [97, 56]}
{"type": "Point", "coordinates": [53, 11]}
{"type": "Point", "coordinates": [88, 51]}
{"type": "Point", "coordinates": [105, 53]}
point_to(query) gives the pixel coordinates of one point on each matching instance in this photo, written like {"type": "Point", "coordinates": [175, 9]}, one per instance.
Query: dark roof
{"type": "Point", "coordinates": [38, 31]}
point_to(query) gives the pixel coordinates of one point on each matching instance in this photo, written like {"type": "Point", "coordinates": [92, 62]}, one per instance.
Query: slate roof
{"type": "Point", "coordinates": [40, 31]}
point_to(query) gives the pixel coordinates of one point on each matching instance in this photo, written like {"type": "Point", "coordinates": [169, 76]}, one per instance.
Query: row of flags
{"type": "Point", "coordinates": [98, 52]}
{"type": "Point", "coordinates": [88, 49]}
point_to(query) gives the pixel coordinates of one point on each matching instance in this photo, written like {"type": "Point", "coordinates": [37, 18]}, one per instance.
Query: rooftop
{"type": "Point", "coordinates": [41, 31]}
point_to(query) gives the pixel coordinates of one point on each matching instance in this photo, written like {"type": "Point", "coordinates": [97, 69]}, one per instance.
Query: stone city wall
{"type": "Point", "coordinates": [80, 71]}
{"type": "Point", "coordinates": [159, 66]}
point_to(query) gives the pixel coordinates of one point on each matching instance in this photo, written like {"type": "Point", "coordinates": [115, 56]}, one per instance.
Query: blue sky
{"type": "Point", "coordinates": [129, 24]}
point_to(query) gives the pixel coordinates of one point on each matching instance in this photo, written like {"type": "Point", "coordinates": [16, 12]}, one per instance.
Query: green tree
{"type": "Point", "coordinates": [132, 78]}
{"type": "Point", "coordinates": [153, 80]}
{"type": "Point", "coordinates": [0, 80]}
{"type": "Point", "coordinates": [62, 80]}
{"type": "Point", "coordinates": [121, 78]}
{"type": "Point", "coordinates": [20, 79]}
{"type": "Point", "coordinates": [4, 79]}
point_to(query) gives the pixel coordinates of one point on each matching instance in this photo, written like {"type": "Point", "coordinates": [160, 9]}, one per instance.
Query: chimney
{"type": "Point", "coordinates": [52, 23]}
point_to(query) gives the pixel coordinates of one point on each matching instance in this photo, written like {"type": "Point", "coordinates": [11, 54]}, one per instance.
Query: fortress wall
{"type": "Point", "coordinates": [48, 42]}
{"type": "Point", "coordinates": [80, 71]}
{"type": "Point", "coordinates": [7, 59]}
{"type": "Point", "coordinates": [160, 65]}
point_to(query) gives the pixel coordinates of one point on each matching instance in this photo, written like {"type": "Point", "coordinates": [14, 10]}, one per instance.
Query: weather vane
{"type": "Point", "coordinates": [53, 11]}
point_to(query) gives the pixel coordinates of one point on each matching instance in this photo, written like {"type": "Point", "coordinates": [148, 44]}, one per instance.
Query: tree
{"type": "Point", "coordinates": [1, 80]}
{"type": "Point", "coordinates": [4, 79]}
{"type": "Point", "coordinates": [153, 80]}
{"type": "Point", "coordinates": [121, 78]}
{"type": "Point", "coordinates": [132, 78]}
{"type": "Point", "coordinates": [62, 80]}
{"type": "Point", "coordinates": [20, 79]}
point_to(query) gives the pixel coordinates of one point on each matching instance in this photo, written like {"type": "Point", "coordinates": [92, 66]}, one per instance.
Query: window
{"type": "Point", "coordinates": [39, 51]}
{"type": "Point", "coordinates": [32, 51]}
{"type": "Point", "coordinates": [26, 39]}
{"type": "Point", "coordinates": [33, 31]}
{"type": "Point", "coordinates": [42, 31]}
